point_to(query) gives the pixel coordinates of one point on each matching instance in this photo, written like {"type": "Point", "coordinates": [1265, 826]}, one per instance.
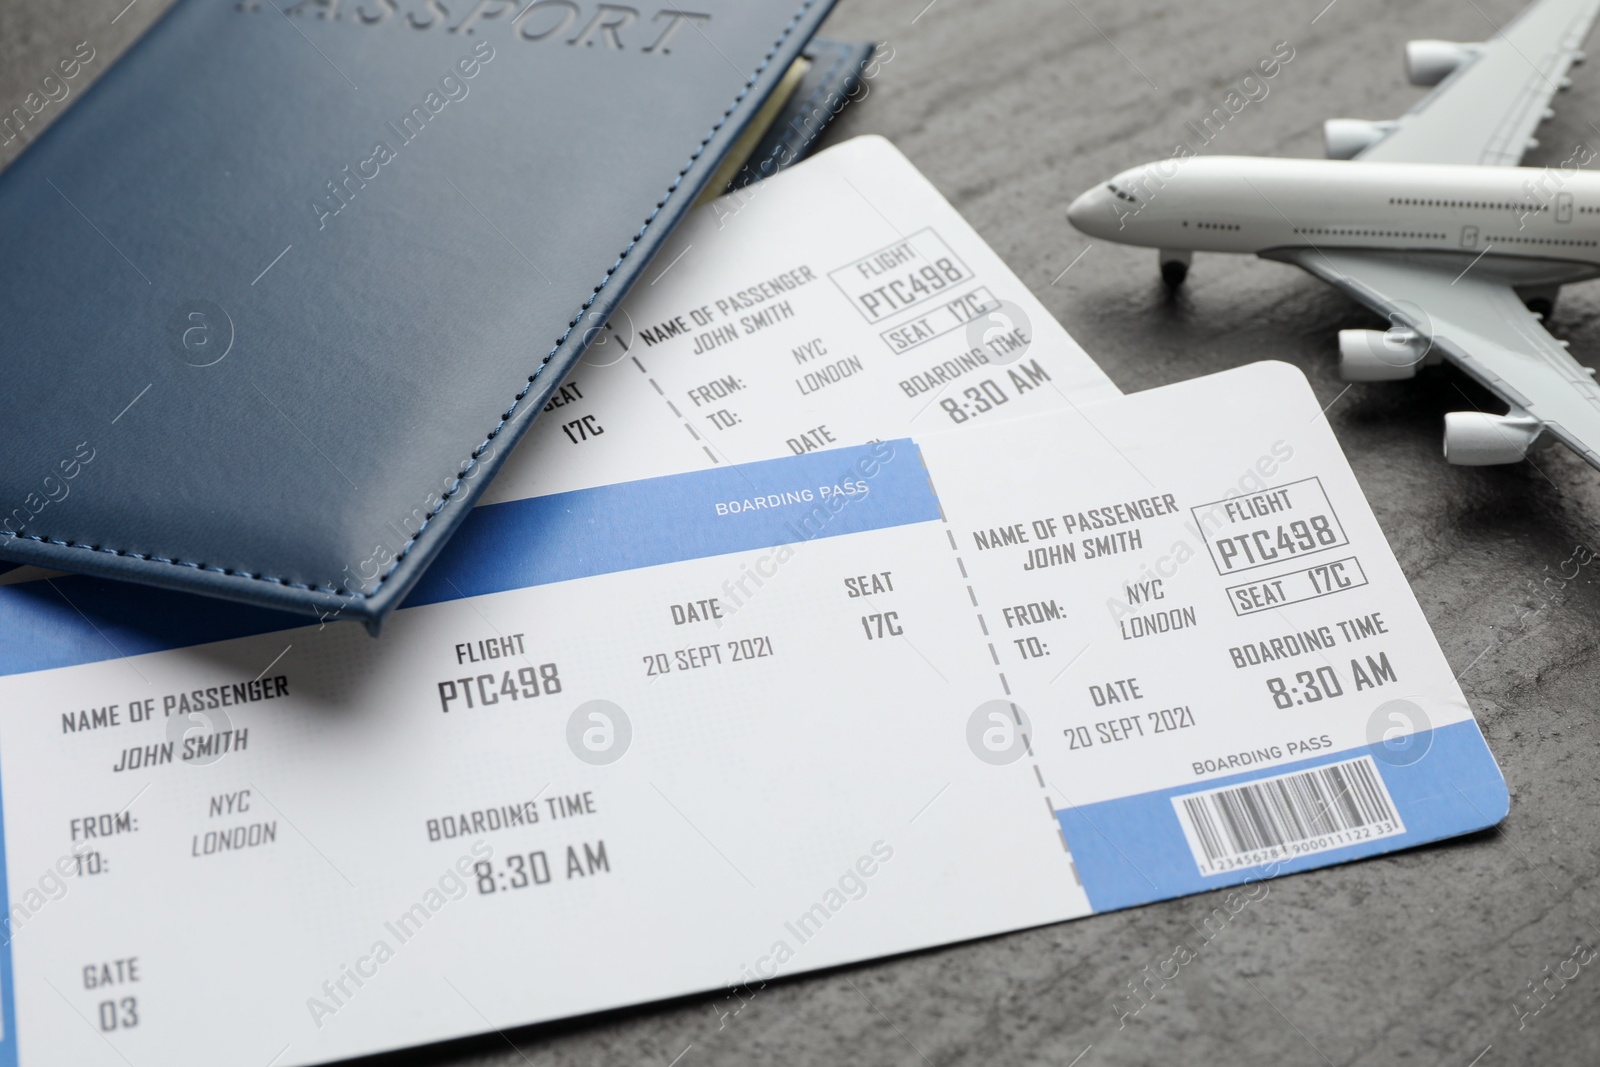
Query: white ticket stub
{"type": "Point", "coordinates": [696, 731]}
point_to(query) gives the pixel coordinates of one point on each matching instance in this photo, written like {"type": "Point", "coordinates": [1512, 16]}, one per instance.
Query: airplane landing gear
{"type": "Point", "coordinates": [1175, 265]}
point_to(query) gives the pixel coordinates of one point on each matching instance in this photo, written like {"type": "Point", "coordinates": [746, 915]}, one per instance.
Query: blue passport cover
{"type": "Point", "coordinates": [282, 290]}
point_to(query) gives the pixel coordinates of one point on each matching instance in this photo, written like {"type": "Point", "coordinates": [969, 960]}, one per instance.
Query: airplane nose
{"type": "Point", "coordinates": [1089, 213]}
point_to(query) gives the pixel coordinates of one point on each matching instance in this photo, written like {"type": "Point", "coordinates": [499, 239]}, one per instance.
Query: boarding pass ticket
{"type": "Point", "coordinates": [707, 729]}
{"type": "Point", "coordinates": [838, 302]}
{"type": "Point", "coordinates": [777, 701]}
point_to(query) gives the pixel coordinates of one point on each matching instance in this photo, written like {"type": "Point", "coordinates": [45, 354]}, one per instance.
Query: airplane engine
{"type": "Point", "coordinates": [1346, 138]}
{"type": "Point", "coordinates": [1381, 355]}
{"type": "Point", "coordinates": [1478, 439]}
{"type": "Point", "coordinates": [1431, 62]}
{"type": "Point", "coordinates": [1175, 265]}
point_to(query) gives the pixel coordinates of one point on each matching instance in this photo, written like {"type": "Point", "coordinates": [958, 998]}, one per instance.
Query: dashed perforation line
{"type": "Point", "coordinates": [1016, 713]}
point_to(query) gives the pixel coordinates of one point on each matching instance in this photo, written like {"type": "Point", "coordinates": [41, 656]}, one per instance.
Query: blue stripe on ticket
{"type": "Point", "coordinates": [64, 621]}
{"type": "Point", "coordinates": [1249, 827]}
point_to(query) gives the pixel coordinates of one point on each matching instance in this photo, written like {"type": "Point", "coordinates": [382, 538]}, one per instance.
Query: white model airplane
{"type": "Point", "coordinates": [1428, 220]}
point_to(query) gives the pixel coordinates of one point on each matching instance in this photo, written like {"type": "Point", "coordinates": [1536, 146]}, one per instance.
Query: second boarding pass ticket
{"type": "Point", "coordinates": [705, 729]}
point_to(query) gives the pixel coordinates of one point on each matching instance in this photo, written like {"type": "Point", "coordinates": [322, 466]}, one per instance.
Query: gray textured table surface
{"type": "Point", "coordinates": [1011, 108]}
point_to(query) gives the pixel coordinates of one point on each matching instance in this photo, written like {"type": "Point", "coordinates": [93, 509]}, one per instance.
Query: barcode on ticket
{"type": "Point", "coordinates": [1291, 815]}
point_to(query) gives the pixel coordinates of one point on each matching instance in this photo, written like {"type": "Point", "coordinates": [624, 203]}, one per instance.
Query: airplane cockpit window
{"type": "Point", "coordinates": [1120, 194]}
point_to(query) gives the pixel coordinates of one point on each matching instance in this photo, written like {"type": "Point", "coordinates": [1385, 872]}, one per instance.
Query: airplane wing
{"type": "Point", "coordinates": [1478, 322]}
{"type": "Point", "coordinates": [1486, 112]}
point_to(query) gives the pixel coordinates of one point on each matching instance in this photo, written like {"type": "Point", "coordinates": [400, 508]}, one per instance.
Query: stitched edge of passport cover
{"type": "Point", "coordinates": [419, 549]}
